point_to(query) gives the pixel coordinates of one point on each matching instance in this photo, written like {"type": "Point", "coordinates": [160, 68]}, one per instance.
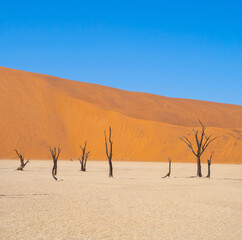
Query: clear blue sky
{"type": "Point", "coordinates": [187, 49]}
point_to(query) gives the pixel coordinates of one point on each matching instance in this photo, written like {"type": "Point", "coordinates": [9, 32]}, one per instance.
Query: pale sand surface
{"type": "Point", "coordinates": [135, 204]}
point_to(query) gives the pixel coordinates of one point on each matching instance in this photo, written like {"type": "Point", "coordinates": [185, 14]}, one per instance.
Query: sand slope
{"type": "Point", "coordinates": [135, 204]}
{"type": "Point", "coordinates": [39, 110]}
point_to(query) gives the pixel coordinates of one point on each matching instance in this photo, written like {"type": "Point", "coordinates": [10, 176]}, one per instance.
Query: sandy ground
{"type": "Point", "coordinates": [135, 204]}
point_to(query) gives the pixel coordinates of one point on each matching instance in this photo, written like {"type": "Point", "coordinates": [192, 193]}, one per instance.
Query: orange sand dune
{"type": "Point", "coordinates": [39, 110]}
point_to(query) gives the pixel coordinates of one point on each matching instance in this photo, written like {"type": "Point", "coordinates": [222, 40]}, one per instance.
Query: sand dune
{"type": "Point", "coordinates": [135, 204]}
{"type": "Point", "coordinates": [39, 110]}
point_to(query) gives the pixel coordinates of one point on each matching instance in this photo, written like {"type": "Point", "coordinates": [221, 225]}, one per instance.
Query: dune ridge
{"type": "Point", "coordinates": [38, 110]}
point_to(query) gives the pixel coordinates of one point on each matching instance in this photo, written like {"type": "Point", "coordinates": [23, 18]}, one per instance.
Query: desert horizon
{"type": "Point", "coordinates": [121, 120]}
{"type": "Point", "coordinates": [40, 110]}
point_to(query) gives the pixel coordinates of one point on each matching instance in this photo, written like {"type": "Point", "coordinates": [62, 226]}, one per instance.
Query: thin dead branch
{"type": "Point", "coordinates": [22, 163]}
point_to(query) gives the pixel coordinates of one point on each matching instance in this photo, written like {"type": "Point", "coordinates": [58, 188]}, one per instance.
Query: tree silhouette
{"type": "Point", "coordinates": [22, 163]}
{"type": "Point", "coordinates": [209, 164]}
{"type": "Point", "coordinates": [84, 157]}
{"type": "Point", "coordinates": [55, 156]}
{"type": "Point", "coordinates": [202, 142]}
{"type": "Point", "coordinates": [110, 152]}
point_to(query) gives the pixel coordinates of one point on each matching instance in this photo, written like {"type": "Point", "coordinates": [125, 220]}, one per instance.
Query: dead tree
{"type": "Point", "coordinates": [85, 161]}
{"type": "Point", "coordinates": [22, 163]}
{"type": "Point", "coordinates": [84, 157]}
{"type": "Point", "coordinates": [202, 143]}
{"type": "Point", "coordinates": [55, 156]}
{"type": "Point", "coordinates": [169, 173]}
{"type": "Point", "coordinates": [209, 164]}
{"type": "Point", "coordinates": [110, 152]}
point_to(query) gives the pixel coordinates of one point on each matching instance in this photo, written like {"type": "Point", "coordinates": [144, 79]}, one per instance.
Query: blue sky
{"type": "Point", "coordinates": [186, 49]}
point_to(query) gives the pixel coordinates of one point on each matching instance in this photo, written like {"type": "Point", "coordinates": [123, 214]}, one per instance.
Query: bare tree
{"type": "Point", "coordinates": [84, 157]}
{"type": "Point", "coordinates": [110, 153]}
{"type": "Point", "coordinates": [169, 173]}
{"type": "Point", "coordinates": [55, 156]}
{"type": "Point", "coordinates": [209, 164]}
{"type": "Point", "coordinates": [202, 143]}
{"type": "Point", "coordinates": [22, 163]}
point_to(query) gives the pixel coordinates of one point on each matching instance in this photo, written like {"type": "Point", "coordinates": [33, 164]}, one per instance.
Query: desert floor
{"type": "Point", "coordinates": [135, 204]}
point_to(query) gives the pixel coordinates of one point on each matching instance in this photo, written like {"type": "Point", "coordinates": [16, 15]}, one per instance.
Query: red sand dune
{"type": "Point", "coordinates": [39, 110]}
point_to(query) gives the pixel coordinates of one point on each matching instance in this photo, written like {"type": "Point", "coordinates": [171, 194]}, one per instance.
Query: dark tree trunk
{"type": "Point", "coordinates": [202, 143]}
{"type": "Point", "coordinates": [55, 156]}
{"type": "Point", "coordinates": [54, 172]}
{"type": "Point", "coordinates": [22, 163]}
{"type": "Point", "coordinates": [199, 169]}
{"type": "Point", "coordinates": [110, 169]}
{"type": "Point", "coordinates": [84, 157]}
{"type": "Point", "coordinates": [55, 167]}
{"type": "Point", "coordinates": [82, 166]}
{"type": "Point", "coordinates": [110, 152]}
{"type": "Point", "coordinates": [21, 167]}
{"type": "Point", "coordinates": [85, 164]}
{"type": "Point", "coordinates": [209, 164]}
